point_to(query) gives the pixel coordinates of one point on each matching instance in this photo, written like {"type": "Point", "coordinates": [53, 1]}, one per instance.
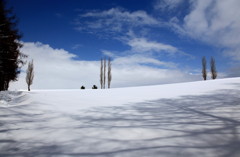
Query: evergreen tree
{"type": "Point", "coordinates": [10, 56]}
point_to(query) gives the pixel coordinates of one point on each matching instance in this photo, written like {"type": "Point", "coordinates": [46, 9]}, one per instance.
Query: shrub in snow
{"type": "Point", "coordinates": [94, 87]}
{"type": "Point", "coordinates": [82, 87]}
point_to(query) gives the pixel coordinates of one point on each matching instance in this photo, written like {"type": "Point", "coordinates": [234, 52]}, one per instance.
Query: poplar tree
{"type": "Point", "coordinates": [109, 72]}
{"type": "Point", "coordinates": [204, 68]}
{"type": "Point", "coordinates": [213, 68]}
{"type": "Point", "coordinates": [101, 74]}
{"type": "Point", "coordinates": [30, 74]}
{"type": "Point", "coordinates": [104, 73]}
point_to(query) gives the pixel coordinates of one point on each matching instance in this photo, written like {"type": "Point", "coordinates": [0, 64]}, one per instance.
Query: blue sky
{"type": "Point", "coordinates": [144, 38]}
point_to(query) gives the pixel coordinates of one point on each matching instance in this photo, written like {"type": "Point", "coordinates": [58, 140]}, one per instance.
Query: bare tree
{"type": "Point", "coordinates": [204, 68]}
{"type": "Point", "coordinates": [213, 68]}
{"type": "Point", "coordinates": [104, 73]}
{"type": "Point", "coordinates": [30, 74]}
{"type": "Point", "coordinates": [109, 72]}
{"type": "Point", "coordinates": [101, 74]}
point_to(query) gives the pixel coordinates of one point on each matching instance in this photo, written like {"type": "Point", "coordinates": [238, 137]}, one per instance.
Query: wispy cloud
{"type": "Point", "coordinates": [143, 45]}
{"type": "Point", "coordinates": [138, 60]}
{"type": "Point", "coordinates": [150, 47]}
{"type": "Point", "coordinates": [146, 52]}
{"type": "Point", "coordinates": [58, 15]}
{"type": "Point", "coordinates": [114, 20]}
{"type": "Point", "coordinates": [164, 5]}
{"type": "Point", "coordinates": [108, 53]}
{"type": "Point", "coordinates": [76, 46]}
{"type": "Point", "coordinates": [123, 23]}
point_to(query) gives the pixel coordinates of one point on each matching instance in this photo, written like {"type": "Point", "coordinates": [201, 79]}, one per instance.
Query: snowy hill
{"type": "Point", "coordinates": [187, 119]}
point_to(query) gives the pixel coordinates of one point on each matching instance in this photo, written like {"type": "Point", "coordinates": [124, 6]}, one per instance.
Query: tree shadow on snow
{"type": "Point", "coordinates": [202, 125]}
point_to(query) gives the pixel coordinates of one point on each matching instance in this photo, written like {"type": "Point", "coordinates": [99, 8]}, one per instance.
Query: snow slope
{"type": "Point", "coordinates": [175, 120]}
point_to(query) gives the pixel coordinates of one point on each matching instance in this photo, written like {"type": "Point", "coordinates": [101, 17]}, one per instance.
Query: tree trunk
{"type": "Point", "coordinates": [1, 84]}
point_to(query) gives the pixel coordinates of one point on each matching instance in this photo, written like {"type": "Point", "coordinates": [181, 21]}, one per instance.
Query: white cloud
{"type": "Point", "coordinates": [76, 46]}
{"type": "Point", "coordinates": [107, 53]}
{"type": "Point", "coordinates": [167, 4]}
{"type": "Point", "coordinates": [136, 60]}
{"type": "Point", "coordinates": [145, 75]}
{"type": "Point", "coordinates": [143, 45]}
{"type": "Point", "coordinates": [234, 71]}
{"type": "Point", "coordinates": [114, 20]}
{"type": "Point", "coordinates": [215, 22]}
{"type": "Point", "coordinates": [56, 69]}
{"type": "Point", "coordinates": [136, 17]}
{"type": "Point", "coordinates": [59, 15]}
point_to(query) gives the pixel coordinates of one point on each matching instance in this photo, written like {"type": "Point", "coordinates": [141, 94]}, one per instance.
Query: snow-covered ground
{"type": "Point", "coordinates": [197, 119]}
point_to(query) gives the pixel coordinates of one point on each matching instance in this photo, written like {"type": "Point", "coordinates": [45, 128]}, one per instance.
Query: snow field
{"type": "Point", "coordinates": [187, 119]}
